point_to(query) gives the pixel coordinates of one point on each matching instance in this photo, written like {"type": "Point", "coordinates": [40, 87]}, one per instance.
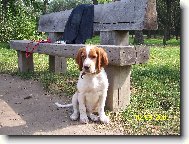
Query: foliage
{"type": "Point", "coordinates": [18, 21]}
{"type": "Point", "coordinates": [104, 1]}
{"type": "Point", "coordinates": [61, 5]}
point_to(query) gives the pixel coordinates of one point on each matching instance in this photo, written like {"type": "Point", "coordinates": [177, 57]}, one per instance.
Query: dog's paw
{"type": "Point", "coordinates": [94, 117]}
{"type": "Point", "coordinates": [84, 119]}
{"type": "Point", "coordinates": [105, 119]}
{"type": "Point", "coordinates": [74, 116]}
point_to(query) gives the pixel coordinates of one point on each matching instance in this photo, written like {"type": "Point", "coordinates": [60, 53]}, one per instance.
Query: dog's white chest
{"type": "Point", "coordinates": [90, 84]}
{"type": "Point", "coordinates": [92, 101]}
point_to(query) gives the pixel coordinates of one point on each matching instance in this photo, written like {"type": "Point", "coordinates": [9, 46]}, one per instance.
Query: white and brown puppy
{"type": "Point", "coordinates": [92, 85]}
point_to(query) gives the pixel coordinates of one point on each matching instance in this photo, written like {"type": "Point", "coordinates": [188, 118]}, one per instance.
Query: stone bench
{"type": "Point", "coordinates": [113, 20]}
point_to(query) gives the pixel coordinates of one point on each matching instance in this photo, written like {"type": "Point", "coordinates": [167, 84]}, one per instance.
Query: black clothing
{"type": "Point", "coordinates": [79, 26]}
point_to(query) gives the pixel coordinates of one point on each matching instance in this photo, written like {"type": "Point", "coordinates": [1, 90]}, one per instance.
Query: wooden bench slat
{"type": "Point", "coordinates": [120, 15]}
{"type": "Point", "coordinates": [118, 55]}
{"type": "Point", "coordinates": [118, 26]}
{"type": "Point", "coordinates": [114, 12]}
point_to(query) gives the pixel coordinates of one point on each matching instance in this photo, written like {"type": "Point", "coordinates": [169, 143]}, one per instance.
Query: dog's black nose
{"type": "Point", "coordinates": [86, 67]}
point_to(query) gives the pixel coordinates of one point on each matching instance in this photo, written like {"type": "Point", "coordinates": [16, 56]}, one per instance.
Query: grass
{"type": "Point", "coordinates": [155, 87]}
{"type": "Point", "coordinates": [150, 42]}
{"type": "Point", "coordinates": [156, 93]}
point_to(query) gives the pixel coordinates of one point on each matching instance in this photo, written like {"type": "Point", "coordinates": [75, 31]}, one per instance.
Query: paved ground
{"type": "Point", "coordinates": [26, 109]}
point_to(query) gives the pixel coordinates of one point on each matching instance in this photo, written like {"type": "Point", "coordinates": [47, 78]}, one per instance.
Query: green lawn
{"type": "Point", "coordinates": [156, 94]}
{"type": "Point", "coordinates": [155, 99]}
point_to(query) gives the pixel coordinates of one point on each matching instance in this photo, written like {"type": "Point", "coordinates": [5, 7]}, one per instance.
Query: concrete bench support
{"type": "Point", "coordinates": [56, 64]}
{"type": "Point", "coordinates": [119, 87]}
{"type": "Point", "coordinates": [25, 64]}
{"type": "Point", "coordinates": [118, 76]}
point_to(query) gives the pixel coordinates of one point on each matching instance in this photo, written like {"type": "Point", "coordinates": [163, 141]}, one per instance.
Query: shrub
{"type": "Point", "coordinates": [61, 5]}
{"type": "Point", "coordinates": [18, 22]}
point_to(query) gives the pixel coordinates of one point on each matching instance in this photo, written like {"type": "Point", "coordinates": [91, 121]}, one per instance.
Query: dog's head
{"type": "Point", "coordinates": [91, 59]}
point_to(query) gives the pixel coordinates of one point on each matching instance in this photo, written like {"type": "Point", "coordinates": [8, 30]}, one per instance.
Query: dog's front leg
{"type": "Point", "coordinates": [82, 108]}
{"type": "Point", "coordinates": [75, 114]}
{"type": "Point", "coordinates": [102, 100]}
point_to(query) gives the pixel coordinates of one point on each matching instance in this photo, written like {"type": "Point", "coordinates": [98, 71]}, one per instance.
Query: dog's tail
{"type": "Point", "coordinates": [63, 106]}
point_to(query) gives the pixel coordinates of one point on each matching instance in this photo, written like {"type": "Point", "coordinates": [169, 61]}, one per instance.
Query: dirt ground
{"type": "Point", "coordinates": [26, 109]}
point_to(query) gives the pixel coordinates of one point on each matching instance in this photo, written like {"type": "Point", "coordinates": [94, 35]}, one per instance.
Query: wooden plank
{"type": "Point", "coordinates": [118, 55]}
{"type": "Point", "coordinates": [114, 12]}
{"type": "Point", "coordinates": [118, 26]}
{"type": "Point", "coordinates": [53, 22]}
{"type": "Point", "coordinates": [119, 15]}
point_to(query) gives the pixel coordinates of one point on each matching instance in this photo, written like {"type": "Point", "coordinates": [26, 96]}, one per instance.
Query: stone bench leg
{"type": "Point", "coordinates": [119, 87]}
{"type": "Point", "coordinates": [56, 64]}
{"type": "Point", "coordinates": [25, 64]}
{"type": "Point", "coordinates": [118, 76]}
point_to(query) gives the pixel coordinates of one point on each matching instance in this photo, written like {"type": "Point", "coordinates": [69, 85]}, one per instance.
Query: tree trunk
{"type": "Point", "coordinates": [149, 35]}
{"type": "Point", "coordinates": [4, 4]}
{"type": "Point", "coordinates": [168, 4]}
{"type": "Point", "coordinates": [45, 2]}
{"type": "Point", "coordinates": [165, 36]}
{"type": "Point", "coordinates": [95, 2]}
{"type": "Point", "coordinates": [176, 23]}
{"type": "Point", "coordinates": [139, 39]}
{"type": "Point", "coordinates": [177, 29]}
{"type": "Point", "coordinates": [168, 23]}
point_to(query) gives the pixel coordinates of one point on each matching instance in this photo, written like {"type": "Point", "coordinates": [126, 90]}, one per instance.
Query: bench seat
{"type": "Point", "coordinates": [118, 55]}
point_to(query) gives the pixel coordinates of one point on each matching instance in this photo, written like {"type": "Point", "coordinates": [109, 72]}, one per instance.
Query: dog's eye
{"type": "Point", "coordinates": [93, 57]}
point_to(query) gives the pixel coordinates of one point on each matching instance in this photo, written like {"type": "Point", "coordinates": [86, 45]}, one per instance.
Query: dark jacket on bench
{"type": "Point", "coordinates": [79, 26]}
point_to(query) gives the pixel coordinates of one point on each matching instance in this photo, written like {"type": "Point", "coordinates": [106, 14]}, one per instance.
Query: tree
{"type": "Point", "coordinates": [95, 2]}
{"type": "Point", "coordinates": [168, 18]}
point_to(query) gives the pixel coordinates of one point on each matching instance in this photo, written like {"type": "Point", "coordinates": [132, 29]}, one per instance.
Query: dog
{"type": "Point", "coordinates": [92, 85]}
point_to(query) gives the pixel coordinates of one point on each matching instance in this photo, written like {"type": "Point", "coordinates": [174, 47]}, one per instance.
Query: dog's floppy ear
{"type": "Point", "coordinates": [79, 58]}
{"type": "Point", "coordinates": [102, 59]}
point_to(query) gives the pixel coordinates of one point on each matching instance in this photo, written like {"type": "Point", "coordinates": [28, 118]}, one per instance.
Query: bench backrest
{"type": "Point", "coordinates": [119, 15]}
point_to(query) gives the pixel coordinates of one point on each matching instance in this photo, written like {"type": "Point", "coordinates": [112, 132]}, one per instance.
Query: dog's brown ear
{"type": "Point", "coordinates": [79, 58]}
{"type": "Point", "coordinates": [102, 59]}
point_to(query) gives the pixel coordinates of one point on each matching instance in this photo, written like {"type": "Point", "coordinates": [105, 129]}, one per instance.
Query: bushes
{"type": "Point", "coordinates": [17, 22]}
{"type": "Point", "coordinates": [61, 5]}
